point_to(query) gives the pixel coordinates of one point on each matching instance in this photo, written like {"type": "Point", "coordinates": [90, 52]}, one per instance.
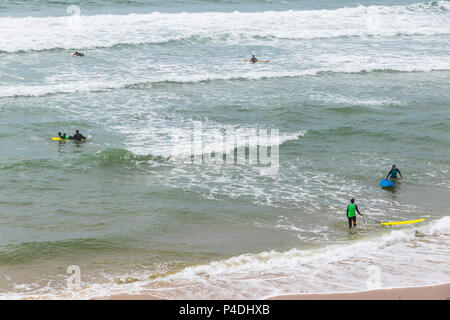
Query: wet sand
{"type": "Point", "coordinates": [438, 292]}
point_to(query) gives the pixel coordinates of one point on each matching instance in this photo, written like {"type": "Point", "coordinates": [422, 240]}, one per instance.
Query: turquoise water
{"type": "Point", "coordinates": [352, 88]}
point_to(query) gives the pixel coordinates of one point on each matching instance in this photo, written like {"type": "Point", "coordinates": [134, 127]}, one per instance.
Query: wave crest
{"type": "Point", "coordinates": [88, 32]}
{"type": "Point", "coordinates": [17, 91]}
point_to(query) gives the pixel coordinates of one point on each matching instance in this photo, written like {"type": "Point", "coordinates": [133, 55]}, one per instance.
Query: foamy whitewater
{"type": "Point", "coordinates": [350, 88]}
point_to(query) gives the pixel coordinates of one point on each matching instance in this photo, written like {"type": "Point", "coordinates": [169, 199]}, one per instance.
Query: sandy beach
{"type": "Point", "coordinates": [438, 292]}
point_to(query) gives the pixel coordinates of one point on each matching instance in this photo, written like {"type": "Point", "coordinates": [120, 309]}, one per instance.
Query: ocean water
{"type": "Point", "coordinates": [352, 87]}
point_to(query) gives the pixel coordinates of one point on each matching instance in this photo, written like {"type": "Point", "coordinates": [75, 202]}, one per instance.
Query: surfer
{"type": "Point", "coordinates": [62, 136]}
{"type": "Point", "coordinates": [77, 136]}
{"type": "Point", "coordinates": [393, 173]}
{"type": "Point", "coordinates": [78, 54]}
{"type": "Point", "coordinates": [351, 213]}
{"type": "Point", "coordinates": [253, 59]}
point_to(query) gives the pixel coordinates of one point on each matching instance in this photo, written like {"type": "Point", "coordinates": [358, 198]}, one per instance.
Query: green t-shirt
{"type": "Point", "coordinates": [351, 210]}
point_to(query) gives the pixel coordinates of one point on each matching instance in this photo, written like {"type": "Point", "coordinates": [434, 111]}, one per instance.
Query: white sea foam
{"type": "Point", "coordinates": [405, 257]}
{"type": "Point", "coordinates": [177, 142]}
{"type": "Point", "coordinates": [35, 90]}
{"type": "Point", "coordinates": [83, 32]}
{"type": "Point", "coordinates": [89, 86]}
{"type": "Point", "coordinates": [401, 255]}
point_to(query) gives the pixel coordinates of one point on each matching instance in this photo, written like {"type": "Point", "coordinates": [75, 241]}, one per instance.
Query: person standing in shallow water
{"type": "Point", "coordinates": [77, 136]}
{"type": "Point", "coordinates": [351, 213]}
{"type": "Point", "coordinates": [393, 173]}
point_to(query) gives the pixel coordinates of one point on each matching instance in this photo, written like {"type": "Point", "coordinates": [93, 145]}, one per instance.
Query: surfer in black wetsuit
{"type": "Point", "coordinates": [253, 59]}
{"type": "Point", "coordinates": [393, 173]}
{"type": "Point", "coordinates": [77, 136]}
{"type": "Point", "coordinates": [78, 54]}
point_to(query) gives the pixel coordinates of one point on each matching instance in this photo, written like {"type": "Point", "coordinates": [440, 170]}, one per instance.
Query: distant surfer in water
{"type": "Point", "coordinates": [351, 213]}
{"type": "Point", "coordinates": [253, 59]}
{"type": "Point", "coordinates": [393, 173]}
{"type": "Point", "coordinates": [78, 54]}
{"type": "Point", "coordinates": [77, 136]}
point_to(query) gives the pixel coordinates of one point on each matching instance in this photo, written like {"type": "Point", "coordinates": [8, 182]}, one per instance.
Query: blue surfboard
{"type": "Point", "coordinates": [385, 183]}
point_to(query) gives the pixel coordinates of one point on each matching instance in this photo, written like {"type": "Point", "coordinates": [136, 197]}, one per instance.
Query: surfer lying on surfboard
{"type": "Point", "coordinates": [62, 136]}
{"type": "Point", "coordinates": [253, 59]}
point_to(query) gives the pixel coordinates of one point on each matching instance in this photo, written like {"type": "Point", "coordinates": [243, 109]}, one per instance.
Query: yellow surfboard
{"type": "Point", "coordinates": [60, 139]}
{"type": "Point", "coordinates": [394, 223]}
{"type": "Point", "coordinates": [259, 61]}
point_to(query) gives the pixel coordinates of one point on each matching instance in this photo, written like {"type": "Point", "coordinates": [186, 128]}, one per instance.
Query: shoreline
{"type": "Point", "coordinates": [434, 292]}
